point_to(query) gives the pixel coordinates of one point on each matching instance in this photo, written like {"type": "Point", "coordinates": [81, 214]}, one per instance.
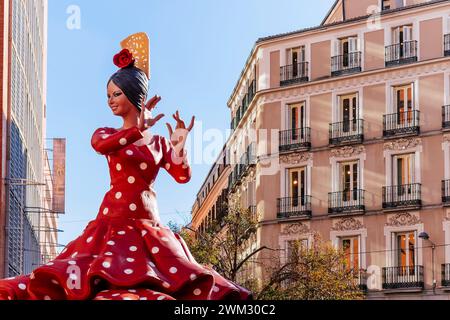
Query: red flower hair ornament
{"type": "Point", "coordinates": [124, 59]}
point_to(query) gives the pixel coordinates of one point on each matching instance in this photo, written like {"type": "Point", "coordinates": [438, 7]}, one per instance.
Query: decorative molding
{"type": "Point", "coordinates": [296, 158]}
{"type": "Point", "coordinates": [403, 219]}
{"type": "Point", "coordinates": [347, 224]}
{"type": "Point", "coordinates": [347, 152]}
{"type": "Point", "coordinates": [446, 138]}
{"type": "Point", "coordinates": [295, 229]}
{"type": "Point", "coordinates": [402, 144]}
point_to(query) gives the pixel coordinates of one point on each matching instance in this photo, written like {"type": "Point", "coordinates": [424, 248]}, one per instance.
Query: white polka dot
{"type": "Point", "coordinates": [216, 289]}
{"type": "Point", "coordinates": [110, 243]}
{"type": "Point", "coordinates": [105, 211]}
{"type": "Point", "coordinates": [116, 294]}
{"type": "Point", "coordinates": [143, 166]}
{"type": "Point", "coordinates": [166, 285]}
{"type": "Point", "coordinates": [185, 166]}
{"type": "Point", "coordinates": [143, 233]}
{"type": "Point", "coordinates": [133, 248]}
{"type": "Point", "coordinates": [130, 259]}
{"type": "Point", "coordinates": [167, 166]}
{"type": "Point", "coordinates": [105, 136]}
{"type": "Point", "coordinates": [173, 270]}
{"type": "Point", "coordinates": [128, 271]}
{"type": "Point", "coordinates": [88, 240]}
{"type": "Point", "coordinates": [193, 277]}
{"type": "Point", "coordinates": [133, 207]}
{"type": "Point", "coordinates": [54, 281]}
{"type": "Point", "coordinates": [143, 298]}
{"type": "Point", "coordinates": [152, 264]}
{"type": "Point", "coordinates": [132, 290]}
{"type": "Point", "coordinates": [95, 256]}
{"type": "Point", "coordinates": [22, 286]}
{"type": "Point", "coordinates": [165, 239]}
{"type": "Point", "coordinates": [102, 131]}
{"type": "Point", "coordinates": [121, 233]}
{"type": "Point", "coordinates": [72, 262]}
{"type": "Point", "coordinates": [50, 263]}
{"type": "Point", "coordinates": [197, 292]}
{"type": "Point", "coordinates": [151, 273]}
{"type": "Point", "coordinates": [129, 152]}
{"type": "Point", "coordinates": [123, 141]}
{"type": "Point", "coordinates": [118, 195]}
{"type": "Point", "coordinates": [155, 250]}
{"type": "Point", "coordinates": [108, 254]}
{"type": "Point", "coordinates": [161, 298]}
{"type": "Point", "coordinates": [47, 298]}
{"type": "Point", "coordinates": [73, 276]}
{"type": "Point", "coordinates": [131, 180]}
{"type": "Point", "coordinates": [182, 178]}
{"type": "Point", "coordinates": [118, 167]}
{"type": "Point", "coordinates": [74, 255]}
{"type": "Point", "coordinates": [106, 264]}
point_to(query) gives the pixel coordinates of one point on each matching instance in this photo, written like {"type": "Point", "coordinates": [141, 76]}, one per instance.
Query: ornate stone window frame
{"type": "Point", "coordinates": [294, 231]}
{"type": "Point", "coordinates": [348, 153]}
{"type": "Point", "coordinates": [292, 161]}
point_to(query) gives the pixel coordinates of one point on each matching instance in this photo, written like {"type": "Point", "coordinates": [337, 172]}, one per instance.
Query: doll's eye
{"type": "Point", "coordinates": [117, 94]}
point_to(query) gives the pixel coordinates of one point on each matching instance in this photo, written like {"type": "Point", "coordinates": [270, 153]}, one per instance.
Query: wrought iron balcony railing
{"type": "Point", "coordinates": [446, 192]}
{"type": "Point", "coordinates": [402, 196]}
{"type": "Point", "coordinates": [345, 202]}
{"type": "Point", "coordinates": [447, 45]}
{"type": "Point", "coordinates": [294, 73]}
{"type": "Point", "coordinates": [445, 279]}
{"type": "Point", "coordinates": [360, 278]}
{"type": "Point", "coordinates": [401, 123]}
{"type": "Point", "coordinates": [295, 139]}
{"type": "Point", "coordinates": [345, 64]}
{"type": "Point", "coordinates": [446, 117]}
{"type": "Point", "coordinates": [351, 131]}
{"type": "Point", "coordinates": [403, 277]}
{"type": "Point", "coordinates": [401, 53]}
{"type": "Point", "coordinates": [294, 207]}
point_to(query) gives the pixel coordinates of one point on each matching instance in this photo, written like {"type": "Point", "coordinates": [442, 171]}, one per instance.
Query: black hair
{"type": "Point", "coordinates": [133, 82]}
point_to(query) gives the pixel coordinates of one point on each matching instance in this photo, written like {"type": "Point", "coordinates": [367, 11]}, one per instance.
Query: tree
{"type": "Point", "coordinates": [316, 273]}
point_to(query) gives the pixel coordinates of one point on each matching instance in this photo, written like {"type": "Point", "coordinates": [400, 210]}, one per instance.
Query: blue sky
{"type": "Point", "coordinates": [198, 49]}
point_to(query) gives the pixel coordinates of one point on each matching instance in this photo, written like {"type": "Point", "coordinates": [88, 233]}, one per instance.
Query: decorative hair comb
{"type": "Point", "coordinates": [135, 50]}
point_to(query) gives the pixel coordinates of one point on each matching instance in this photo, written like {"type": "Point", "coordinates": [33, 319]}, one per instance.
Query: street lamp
{"type": "Point", "coordinates": [425, 236]}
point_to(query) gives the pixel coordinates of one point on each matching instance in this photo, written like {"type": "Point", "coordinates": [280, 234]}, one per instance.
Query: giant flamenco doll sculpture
{"type": "Point", "coordinates": [126, 253]}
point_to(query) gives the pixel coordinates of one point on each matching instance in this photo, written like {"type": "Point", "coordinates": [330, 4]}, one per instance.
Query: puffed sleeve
{"type": "Point", "coordinates": [104, 141]}
{"type": "Point", "coordinates": [175, 158]}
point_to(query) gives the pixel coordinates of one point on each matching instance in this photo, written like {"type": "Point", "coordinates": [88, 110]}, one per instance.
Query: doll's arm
{"type": "Point", "coordinates": [175, 157]}
{"type": "Point", "coordinates": [105, 142]}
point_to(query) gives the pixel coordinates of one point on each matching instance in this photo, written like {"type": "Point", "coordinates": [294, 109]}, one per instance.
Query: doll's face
{"type": "Point", "coordinates": [118, 101]}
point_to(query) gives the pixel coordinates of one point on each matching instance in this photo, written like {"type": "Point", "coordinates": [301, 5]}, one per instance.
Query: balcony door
{"type": "Point", "coordinates": [348, 112]}
{"type": "Point", "coordinates": [349, 181]}
{"type": "Point", "coordinates": [402, 36]}
{"type": "Point", "coordinates": [297, 187]}
{"type": "Point", "coordinates": [350, 246]}
{"type": "Point", "coordinates": [297, 121]}
{"type": "Point", "coordinates": [404, 104]}
{"type": "Point", "coordinates": [296, 57]}
{"type": "Point", "coordinates": [347, 48]}
{"type": "Point", "coordinates": [403, 177]}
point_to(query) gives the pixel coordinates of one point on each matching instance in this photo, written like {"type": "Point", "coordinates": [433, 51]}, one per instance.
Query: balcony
{"type": "Point", "coordinates": [401, 53]}
{"type": "Point", "coordinates": [402, 196]}
{"type": "Point", "coordinates": [346, 202]}
{"type": "Point", "coordinates": [295, 140]}
{"type": "Point", "coordinates": [295, 73]}
{"type": "Point", "coordinates": [345, 64]}
{"type": "Point", "coordinates": [401, 124]}
{"type": "Point", "coordinates": [360, 279]}
{"type": "Point", "coordinates": [294, 207]}
{"type": "Point", "coordinates": [446, 117]}
{"type": "Point", "coordinates": [447, 45]}
{"type": "Point", "coordinates": [347, 132]}
{"type": "Point", "coordinates": [446, 192]}
{"type": "Point", "coordinates": [405, 277]}
{"type": "Point", "coordinates": [445, 279]}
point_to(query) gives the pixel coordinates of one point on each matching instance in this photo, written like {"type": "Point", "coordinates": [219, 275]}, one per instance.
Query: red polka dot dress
{"type": "Point", "coordinates": [123, 254]}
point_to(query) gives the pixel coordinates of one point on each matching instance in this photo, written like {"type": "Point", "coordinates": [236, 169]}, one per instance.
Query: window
{"type": "Point", "coordinates": [296, 57]}
{"type": "Point", "coordinates": [347, 47]}
{"type": "Point", "coordinates": [349, 180]}
{"type": "Point", "coordinates": [405, 249]}
{"type": "Point", "coordinates": [348, 112]}
{"type": "Point", "coordinates": [404, 103]}
{"type": "Point", "coordinates": [351, 248]}
{"type": "Point", "coordinates": [402, 36]}
{"type": "Point", "coordinates": [297, 120]}
{"type": "Point", "coordinates": [403, 169]}
{"type": "Point", "coordinates": [291, 245]}
{"type": "Point", "coordinates": [297, 186]}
